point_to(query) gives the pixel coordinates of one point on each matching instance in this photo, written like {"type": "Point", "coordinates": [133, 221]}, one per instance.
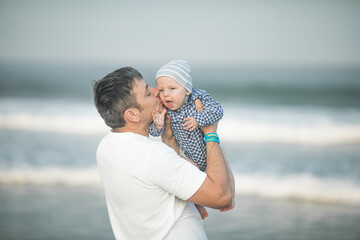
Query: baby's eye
{"type": "Point", "coordinates": [172, 88]}
{"type": "Point", "coordinates": [161, 90]}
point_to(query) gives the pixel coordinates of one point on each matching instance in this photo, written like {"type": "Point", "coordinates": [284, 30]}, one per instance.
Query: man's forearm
{"type": "Point", "coordinates": [218, 170]}
{"type": "Point", "coordinates": [232, 182]}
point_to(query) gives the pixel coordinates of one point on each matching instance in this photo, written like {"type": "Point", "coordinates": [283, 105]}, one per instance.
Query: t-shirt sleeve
{"type": "Point", "coordinates": [172, 173]}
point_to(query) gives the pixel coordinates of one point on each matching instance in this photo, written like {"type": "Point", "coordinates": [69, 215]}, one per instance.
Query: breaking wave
{"type": "Point", "coordinates": [240, 123]}
{"type": "Point", "coordinates": [301, 187]}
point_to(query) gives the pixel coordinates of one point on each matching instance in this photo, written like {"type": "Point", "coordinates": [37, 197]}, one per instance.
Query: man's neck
{"type": "Point", "coordinates": [137, 129]}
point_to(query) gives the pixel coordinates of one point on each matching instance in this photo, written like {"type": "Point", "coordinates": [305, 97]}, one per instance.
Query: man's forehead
{"type": "Point", "coordinates": [140, 85]}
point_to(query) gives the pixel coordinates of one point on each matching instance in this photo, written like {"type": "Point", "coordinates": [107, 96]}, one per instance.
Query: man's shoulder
{"type": "Point", "coordinates": [158, 146]}
{"type": "Point", "coordinates": [129, 141]}
{"type": "Point", "coordinates": [116, 145]}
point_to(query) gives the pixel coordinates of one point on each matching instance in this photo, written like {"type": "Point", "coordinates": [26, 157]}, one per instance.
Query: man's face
{"type": "Point", "coordinates": [148, 99]}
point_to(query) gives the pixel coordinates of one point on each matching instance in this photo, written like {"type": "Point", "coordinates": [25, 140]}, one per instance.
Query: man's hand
{"type": "Point", "coordinates": [168, 133]}
{"type": "Point", "coordinates": [198, 105]}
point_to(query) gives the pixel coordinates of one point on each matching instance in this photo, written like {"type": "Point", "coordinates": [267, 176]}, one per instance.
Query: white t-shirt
{"type": "Point", "coordinates": [146, 184]}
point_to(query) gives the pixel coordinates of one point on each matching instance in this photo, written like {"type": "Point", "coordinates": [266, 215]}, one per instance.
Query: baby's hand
{"type": "Point", "coordinates": [158, 118]}
{"type": "Point", "coordinates": [190, 124]}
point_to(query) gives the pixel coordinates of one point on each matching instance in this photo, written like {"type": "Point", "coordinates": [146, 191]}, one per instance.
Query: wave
{"type": "Point", "coordinates": [240, 123]}
{"type": "Point", "coordinates": [295, 125]}
{"type": "Point", "coordinates": [50, 116]}
{"type": "Point", "coordinates": [315, 134]}
{"type": "Point", "coordinates": [51, 176]}
{"type": "Point", "coordinates": [300, 187]}
{"type": "Point", "coordinates": [58, 123]}
{"type": "Point", "coordinates": [303, 187]}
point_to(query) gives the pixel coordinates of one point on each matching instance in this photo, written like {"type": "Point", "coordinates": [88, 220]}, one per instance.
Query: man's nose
{"type": "Point", "coordinates": [155, 91]}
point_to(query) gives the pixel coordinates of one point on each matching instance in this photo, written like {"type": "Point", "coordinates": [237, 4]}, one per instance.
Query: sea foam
{"type": "Point", "coordinates": [294, 125]}
{"type": "Point", "coordinates": [51, 176]}
{"type": "Point", "coordinates": [302, 187]}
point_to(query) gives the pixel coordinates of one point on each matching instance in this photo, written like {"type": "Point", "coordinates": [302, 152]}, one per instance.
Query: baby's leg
{"type": "Point", "coordinates": [202, 211]}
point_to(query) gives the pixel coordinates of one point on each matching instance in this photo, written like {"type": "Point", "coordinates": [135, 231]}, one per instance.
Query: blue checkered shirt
{"type": "Point", "coordinates": [192, 143]}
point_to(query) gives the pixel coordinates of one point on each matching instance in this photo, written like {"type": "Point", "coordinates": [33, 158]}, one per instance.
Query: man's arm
{"type": "Point", "coordinates": [216, 191]}
{"type": "Point", "coordinates": [232, 182]}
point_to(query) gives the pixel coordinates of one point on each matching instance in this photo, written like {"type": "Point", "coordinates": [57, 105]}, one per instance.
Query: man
{"type": "Point", "coordinates": [148, 186]}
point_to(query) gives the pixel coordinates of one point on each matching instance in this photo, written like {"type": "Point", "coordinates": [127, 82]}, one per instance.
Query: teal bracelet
{"type": "Point", "coordinates": [212, 140]}
{"type": "Point", "coordinates": [211, 137]}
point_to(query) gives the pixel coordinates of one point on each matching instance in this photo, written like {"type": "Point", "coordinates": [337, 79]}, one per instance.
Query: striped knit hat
{"type": "Point", "coordinates": [179, 70]}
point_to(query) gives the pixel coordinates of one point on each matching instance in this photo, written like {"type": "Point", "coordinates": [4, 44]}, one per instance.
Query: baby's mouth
{"type": "Point", "coordinates": [169, 104]}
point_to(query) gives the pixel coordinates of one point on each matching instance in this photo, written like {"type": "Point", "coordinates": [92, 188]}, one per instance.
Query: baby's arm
{"type": "Point", "coordinates": [159, 118]}
{"type": "Point", "coordinates": [212, 110]}
{"type": "Point", "coordinates": [157, 126]}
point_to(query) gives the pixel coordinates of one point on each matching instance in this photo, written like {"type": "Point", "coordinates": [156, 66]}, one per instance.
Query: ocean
{"type": "Point", "coordinates": [290, 134]}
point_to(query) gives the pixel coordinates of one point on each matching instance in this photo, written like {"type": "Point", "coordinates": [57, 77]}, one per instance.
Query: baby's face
{"type": "Point", "coordinates": [172, 94]}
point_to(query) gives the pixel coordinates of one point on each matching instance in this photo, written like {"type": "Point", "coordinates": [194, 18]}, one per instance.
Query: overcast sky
{"type": "Point", "coordinates": [201, 32]}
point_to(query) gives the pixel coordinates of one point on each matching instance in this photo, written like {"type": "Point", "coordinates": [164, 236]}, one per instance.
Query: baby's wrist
{"type": "Point", "coordinates": [159, 127]}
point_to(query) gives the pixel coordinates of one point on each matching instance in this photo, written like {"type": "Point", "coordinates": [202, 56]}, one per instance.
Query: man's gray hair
{"type": "Point", "coordinates": [113, 95]}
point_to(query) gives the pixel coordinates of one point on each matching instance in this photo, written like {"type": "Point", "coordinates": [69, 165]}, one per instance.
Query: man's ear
{"type": "Point", "coordinates": [132, 115]}
{"type": "Point", "coordinates": [188, 93]}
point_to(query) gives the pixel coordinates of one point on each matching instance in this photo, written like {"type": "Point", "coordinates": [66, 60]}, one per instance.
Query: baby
{"type": "Point", "coordinates": [178, 96]}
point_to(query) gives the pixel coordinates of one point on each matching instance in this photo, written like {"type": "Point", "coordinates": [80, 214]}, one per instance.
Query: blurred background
{"type": "Point", "coordinates": [287, 74]}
